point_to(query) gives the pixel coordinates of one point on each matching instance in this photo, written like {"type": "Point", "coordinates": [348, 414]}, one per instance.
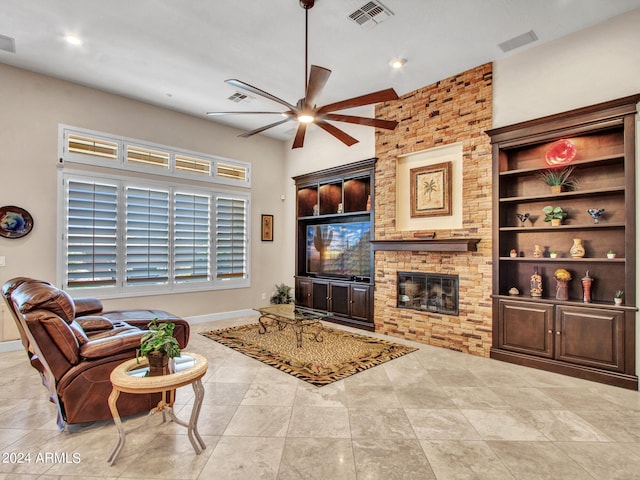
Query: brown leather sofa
{"type": "Point", "coordinates": [75, 345]}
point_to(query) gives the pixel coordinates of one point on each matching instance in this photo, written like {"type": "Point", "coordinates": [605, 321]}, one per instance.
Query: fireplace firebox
{"type": "Point", "coordinates": [428, 292]}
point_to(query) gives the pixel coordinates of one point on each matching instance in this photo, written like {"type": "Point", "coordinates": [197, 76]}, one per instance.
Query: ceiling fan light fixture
{"type": "Point", "coordinates": [306, 118]}
{"type": "Point", "coordinates": [397, 63]}
{"type": "Point", "coordinates": [73, 39]}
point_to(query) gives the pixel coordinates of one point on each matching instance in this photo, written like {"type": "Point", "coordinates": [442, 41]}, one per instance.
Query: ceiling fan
{"type": "Point", "coordinates": [305, 110]}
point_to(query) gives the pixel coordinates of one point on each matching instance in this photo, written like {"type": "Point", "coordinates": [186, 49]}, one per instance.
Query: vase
{"type": "Point", "coordinates": [535, 284]}
{"type": "Point", "coordinates": [577, 250]}
{"type": "Point", "coordinates": [158, 364]}
{"type": "Point", "coordinates": [537, 253]}
{"type": "Point", "coordinates": [562, 289]}
{"type": "Point", "coordinates": [617, 301]}
{"type": "Point", "coordinates": [586, 288]}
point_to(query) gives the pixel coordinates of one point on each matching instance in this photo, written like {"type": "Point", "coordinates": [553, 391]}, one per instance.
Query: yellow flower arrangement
{"type": "Point", "coordinates": [562, 274]}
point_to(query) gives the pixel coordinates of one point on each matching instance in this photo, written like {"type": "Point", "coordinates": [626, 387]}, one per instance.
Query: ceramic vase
{"type": "Point", "coordinates": [537, 253]}
{"type": "Point", "coordinates": [586, 288]}
{"type": "Point", "coordinates": [562, 289]}
{"type": "Point", "coordinates": [577, 250]}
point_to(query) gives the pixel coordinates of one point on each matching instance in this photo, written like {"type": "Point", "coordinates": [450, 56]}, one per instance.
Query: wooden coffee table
{"type": "Point", "coordinates": [299, 318]}
{"type": "Point", "coordinates": [129, 377]}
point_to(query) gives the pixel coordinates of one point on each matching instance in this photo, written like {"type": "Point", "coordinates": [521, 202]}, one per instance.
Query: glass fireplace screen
{"type": "Point", "coordinates": [428, 292]}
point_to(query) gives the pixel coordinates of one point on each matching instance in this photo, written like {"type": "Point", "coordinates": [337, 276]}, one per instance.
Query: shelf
{"type": "Point", "coordinates": [573, 302]}
{"type": "Point", "coordinates": [431, 245]}
{"type": "Point", "coordinates": [572, 194]}
{"type": "Point", "coordinates": [604, 160]}
{"type": "Point", "coordinates": [563, 227]}
{"type": "Point", "coordinates": [563, 260]}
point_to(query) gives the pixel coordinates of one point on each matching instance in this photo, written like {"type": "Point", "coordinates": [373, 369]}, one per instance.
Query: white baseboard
{"type": "Point", "coordinates": [11, 346]}
{"type": "Point", "coordinates": [212, 317]}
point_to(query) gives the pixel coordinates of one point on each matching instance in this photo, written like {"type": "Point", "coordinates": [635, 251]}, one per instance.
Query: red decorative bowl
{"type": "Point", "coordinates": [561, 152]}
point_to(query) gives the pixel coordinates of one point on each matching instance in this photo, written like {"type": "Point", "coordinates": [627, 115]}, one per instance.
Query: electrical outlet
{"type": "Point", "coordinates": [3, 261]}
{"type": "Point", "coordinates": [264, 296]}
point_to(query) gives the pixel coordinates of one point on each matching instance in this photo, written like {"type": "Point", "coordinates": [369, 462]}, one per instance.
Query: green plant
{"type": "Point", "coordinates": [610, 252]}
{"type": "Point", "coordinates": [618, 294]}
{"type": "Point", "coordinates": [553, 213]}
{"type": "Point", "coordinates": [282, 294]}
{"type": "Point", "coordinates": [159, 339]}
{"type": "Point", "coordinates": [558, 177]}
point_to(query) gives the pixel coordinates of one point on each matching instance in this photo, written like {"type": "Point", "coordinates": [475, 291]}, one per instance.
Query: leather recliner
{"type": "Point", "coordinates": [75, 345]}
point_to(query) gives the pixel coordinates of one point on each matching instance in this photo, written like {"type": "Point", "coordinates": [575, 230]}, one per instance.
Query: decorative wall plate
{"type": "Point", "coordinates": [561, 153]}
{"type": "Point", "coordinates": [15, 222]}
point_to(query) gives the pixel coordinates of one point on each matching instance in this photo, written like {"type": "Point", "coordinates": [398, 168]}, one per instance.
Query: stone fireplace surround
{"type": "Point", "coordinates": [457, 109]}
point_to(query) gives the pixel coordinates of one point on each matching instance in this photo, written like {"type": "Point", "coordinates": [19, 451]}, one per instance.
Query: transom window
{"type": "Point", "coordinates": [128, 235]}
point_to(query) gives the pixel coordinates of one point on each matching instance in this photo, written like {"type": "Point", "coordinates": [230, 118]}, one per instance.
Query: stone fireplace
{"type": "Point", "coordinates": [428, 292]}
{"type": "Point", "coordinates": [454, 110]}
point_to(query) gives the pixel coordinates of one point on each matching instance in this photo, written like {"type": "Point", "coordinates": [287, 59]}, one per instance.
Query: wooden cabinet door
{"type": "Point", "coordinates": [320, 295]}
{"type": "Point", "coordinates": [340, 299]}
{"type": "Point", "coordinates": [304, 290]}
{"type": "Point", "coordinates": [361, 302]}
{"type": "Point", "coordinates": [526, 327]}
{"type": "Point", "coordinates": [589, 336]}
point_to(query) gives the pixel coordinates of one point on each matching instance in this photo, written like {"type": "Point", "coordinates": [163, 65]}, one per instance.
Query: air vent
{"type": "Point", "coordinates": [370, 14]}
{"type": "Point", "coordinates": [240, 98]}
{"type": "Point", "coordinates": [7, 44]}
{"type": "Point", "coordinates": [519, 41]}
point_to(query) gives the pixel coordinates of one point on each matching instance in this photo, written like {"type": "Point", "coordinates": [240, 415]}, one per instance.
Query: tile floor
{"type": "Point", "coordinates": [432, 414]}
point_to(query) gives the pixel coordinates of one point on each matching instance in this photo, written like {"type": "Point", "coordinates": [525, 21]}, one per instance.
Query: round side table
{"type": "Point", "coordinates": [128, 377]}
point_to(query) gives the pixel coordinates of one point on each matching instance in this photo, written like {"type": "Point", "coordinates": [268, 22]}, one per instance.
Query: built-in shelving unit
{"type": "Point", "coordinates": [326, 201]}
{"type": "Point", "coordinates": [594, 340]}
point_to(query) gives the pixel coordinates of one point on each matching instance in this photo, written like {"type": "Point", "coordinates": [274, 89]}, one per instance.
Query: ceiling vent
{"type": "Point", "coordinates": [7, 44]}
{"type": "Point", "coordinates": [519, 41]}
{"type": "Point", "coordinates": [370, 14]}
{"type": "Point", "coordinates": [240, 98]}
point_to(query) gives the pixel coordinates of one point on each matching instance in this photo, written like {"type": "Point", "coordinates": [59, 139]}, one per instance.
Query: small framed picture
{"type": "Point", "coordinates": [267, 228]}
{"type": "Point", "coordinates": [431, 190]}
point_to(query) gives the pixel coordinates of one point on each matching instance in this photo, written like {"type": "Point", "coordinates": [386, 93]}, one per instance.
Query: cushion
{"type": "Point", "coordinates": [92, 323]}
{"type": "Point", "coordinates": [38, 295]}
{"type": "Point", "coordinates": [63, 337]}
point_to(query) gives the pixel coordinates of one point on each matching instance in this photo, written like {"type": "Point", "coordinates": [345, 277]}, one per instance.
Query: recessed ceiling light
{"type": "Point", "coordinates": [73, 39]}
{"type": "Point", "coordinates": [398, 62]}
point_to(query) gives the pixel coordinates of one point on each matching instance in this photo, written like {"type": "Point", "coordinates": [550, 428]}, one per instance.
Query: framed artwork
{"type": "Point", "coordinates": [15, 222]}
{"type": "Point", "coordinates": [267, 228]}
{"type": "Point", "coordinates": [431, 190]}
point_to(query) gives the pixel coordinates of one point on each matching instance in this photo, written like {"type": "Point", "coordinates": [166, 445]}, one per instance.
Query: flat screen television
{"type": "Point", "coordinates": [339, 250]}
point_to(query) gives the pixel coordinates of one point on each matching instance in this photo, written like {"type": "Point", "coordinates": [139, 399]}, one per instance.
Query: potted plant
{"type": "Point", "coordinates": [617, 297]}
{"type": "Point", "coordinates": [282, 294]}
{"type": "Point", "coordinates": [158, 345]}
{"type": "Point", "coordinates": [553, 254]}
{"type": "Point", "coordinates": [555, 215]}
{"type": "Point", "coordinates": [611, 254]}
{"type": "Point", "coordinates": [513, 253]}
{"type": "Point", "coordinates": [558, 179]}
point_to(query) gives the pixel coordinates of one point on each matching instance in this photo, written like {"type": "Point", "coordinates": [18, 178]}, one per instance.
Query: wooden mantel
{"type": "Point", "coordinates": [428, 245]}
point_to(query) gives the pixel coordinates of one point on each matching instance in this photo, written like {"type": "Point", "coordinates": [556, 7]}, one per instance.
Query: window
{"type": "Point", "coordinates": [126, 235]}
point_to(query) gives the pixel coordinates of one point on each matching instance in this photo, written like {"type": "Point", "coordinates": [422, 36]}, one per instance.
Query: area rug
{"type": "Point", "coordinates": [340, 354]}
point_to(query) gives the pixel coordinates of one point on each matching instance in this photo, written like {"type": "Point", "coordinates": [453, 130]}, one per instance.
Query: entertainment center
{"type": "Point", "coordinates": [334, 258]}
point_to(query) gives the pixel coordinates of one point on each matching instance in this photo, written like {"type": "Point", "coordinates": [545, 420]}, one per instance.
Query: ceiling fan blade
{"type": "Point", "coordinates": [298, 142]}
{"type": "Point", "coordinates": [213, 114]}
{"type": "Point", "coordinates": [370, 122]}
{"type": "Point", "coordinates": [262, 129]}
{"type": "Point", "coordinates": [317, 80]}
{"type": "Point", "coordinates": [344, 137]}
{"type": "Point", "coordinates": [368, 99]}
{"type": "Point", "coordinates": [257, 91]}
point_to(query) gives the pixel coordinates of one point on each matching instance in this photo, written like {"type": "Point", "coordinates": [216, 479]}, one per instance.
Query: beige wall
{"type": "Point", "coordinates": [32, 108]}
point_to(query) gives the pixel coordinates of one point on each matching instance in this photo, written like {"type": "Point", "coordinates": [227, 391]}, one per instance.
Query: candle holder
{"type": "Point", "coordinates": [595, 213]}
{"type": "Point", "coordinates": [522, 217]}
